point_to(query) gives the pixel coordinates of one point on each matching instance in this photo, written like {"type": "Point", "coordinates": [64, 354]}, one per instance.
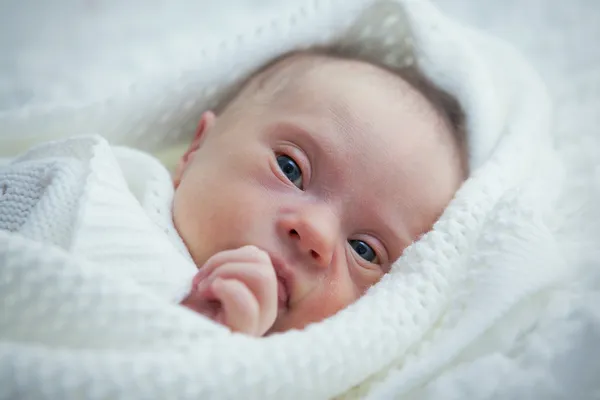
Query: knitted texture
{"type": "Point", "coordinates": [21, 190]}
{"type": "Point", "coordinates": [95, 315]}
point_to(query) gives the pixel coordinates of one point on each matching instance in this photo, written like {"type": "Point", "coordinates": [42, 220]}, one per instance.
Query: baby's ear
{"type": "Point", "coordinates": [206, 123]}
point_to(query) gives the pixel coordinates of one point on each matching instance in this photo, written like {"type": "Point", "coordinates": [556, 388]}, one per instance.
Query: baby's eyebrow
{"type": "Point", "coordinates": [399, 238]}
{"type": "Point", "coordinates": [307, 139]}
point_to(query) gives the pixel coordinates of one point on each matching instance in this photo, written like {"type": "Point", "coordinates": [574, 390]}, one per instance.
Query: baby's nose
{"type": "Point", "coordinates": [314, 233]}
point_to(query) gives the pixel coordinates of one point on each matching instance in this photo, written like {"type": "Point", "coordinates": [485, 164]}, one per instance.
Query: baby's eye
{"type": "Point", "coordinates": [291, 170]}
{"type": "Point", "coordinates": [364, 250]}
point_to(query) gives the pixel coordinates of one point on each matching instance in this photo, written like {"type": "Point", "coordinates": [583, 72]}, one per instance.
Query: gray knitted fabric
{"type": "Point", "coordinates": [20, 191]}
{"type": "Point", "coordinates": [29, 190]}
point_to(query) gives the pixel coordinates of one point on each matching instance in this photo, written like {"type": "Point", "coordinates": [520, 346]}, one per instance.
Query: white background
{"type": "Point", "coordinates": [562, 40]}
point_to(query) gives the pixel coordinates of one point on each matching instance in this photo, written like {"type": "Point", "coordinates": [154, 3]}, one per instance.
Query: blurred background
{"type": "Point", "coordinates": [560, 38]}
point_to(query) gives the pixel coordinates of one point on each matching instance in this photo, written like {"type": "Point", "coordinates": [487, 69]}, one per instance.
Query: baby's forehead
{"type": "Point", "coordinates": [343, 86]}
{"type": "Point", "coordinates": [373, 94]}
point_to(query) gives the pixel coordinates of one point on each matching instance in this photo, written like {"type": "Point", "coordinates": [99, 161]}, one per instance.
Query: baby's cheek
{"type": "Point", "coordinates": [318, 306]}
{"type": "Point", "coordinates": [330, 305]}
{"type": "Point", "coordinates": [339, 292]}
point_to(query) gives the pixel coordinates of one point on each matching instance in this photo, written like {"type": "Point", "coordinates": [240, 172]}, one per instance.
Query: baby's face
{"type": "Point", "coordinates": [333, 171]}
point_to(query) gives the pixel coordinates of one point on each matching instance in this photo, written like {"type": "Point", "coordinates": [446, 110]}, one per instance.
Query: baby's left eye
{"type": "Point", "coordinates": [291, 170]}
{"type": "Point", "coordinates": [364, 250]}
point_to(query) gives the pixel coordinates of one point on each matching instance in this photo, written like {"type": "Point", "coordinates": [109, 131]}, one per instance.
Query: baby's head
{"type": "Point", "coordinates": [333, 166]}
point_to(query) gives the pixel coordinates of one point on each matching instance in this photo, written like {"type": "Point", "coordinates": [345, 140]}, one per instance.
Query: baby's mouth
{"type": "Point", "coordinates": [282, 292]}
{"type": "Point", "coordinates": [283, 281]}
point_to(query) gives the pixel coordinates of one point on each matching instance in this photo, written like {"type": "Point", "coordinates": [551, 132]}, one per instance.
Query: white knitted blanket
{"type": "Point", "coordinates": [497, 301]}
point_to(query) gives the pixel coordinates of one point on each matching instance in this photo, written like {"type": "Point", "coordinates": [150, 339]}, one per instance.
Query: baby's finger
{"type": "Point", "coordinates": [261, 280]}
{"type": "Point", "coordinates": [197, 301]}
{"type": "Point", "coordinates": [239, 308]}
{"type": "Point", "coordinates": [242, 254]}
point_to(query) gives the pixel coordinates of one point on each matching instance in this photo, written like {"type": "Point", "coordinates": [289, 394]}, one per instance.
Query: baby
{"type": "Point", "coordinates": [309, 184]}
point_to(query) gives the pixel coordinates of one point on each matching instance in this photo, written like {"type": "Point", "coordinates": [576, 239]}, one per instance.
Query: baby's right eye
{"type": "Point", "coordinates": [291, 170]}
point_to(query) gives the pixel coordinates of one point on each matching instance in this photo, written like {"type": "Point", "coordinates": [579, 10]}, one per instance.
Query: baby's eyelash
{"type": "Point", "coordinates": [378, 246]}
{"type": "Point", "coordinates": [364, 250]}
{"type": "Point", "coordinates": [291, 156]}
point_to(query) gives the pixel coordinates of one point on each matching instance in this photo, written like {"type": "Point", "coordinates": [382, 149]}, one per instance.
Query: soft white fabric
{"type": "Point", "coordinates": [495, 302]}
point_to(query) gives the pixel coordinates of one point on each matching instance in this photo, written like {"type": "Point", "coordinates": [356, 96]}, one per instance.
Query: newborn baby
{"type": "Point", "coordinates": [308, 185]}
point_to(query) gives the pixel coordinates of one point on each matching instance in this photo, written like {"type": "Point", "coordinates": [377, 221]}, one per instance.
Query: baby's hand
{"type": "Point", "coordinates": [237, 288]}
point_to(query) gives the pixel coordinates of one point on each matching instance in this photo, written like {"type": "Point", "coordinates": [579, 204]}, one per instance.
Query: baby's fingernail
{"type": "Point", "coordinates": [201, 287]}
{"type": "Point", "coordinates": [200, 275]}
{"type": "Point", "coordinates": [250, 247]}
{"type": "Point", "coordinates": [259, 252]}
